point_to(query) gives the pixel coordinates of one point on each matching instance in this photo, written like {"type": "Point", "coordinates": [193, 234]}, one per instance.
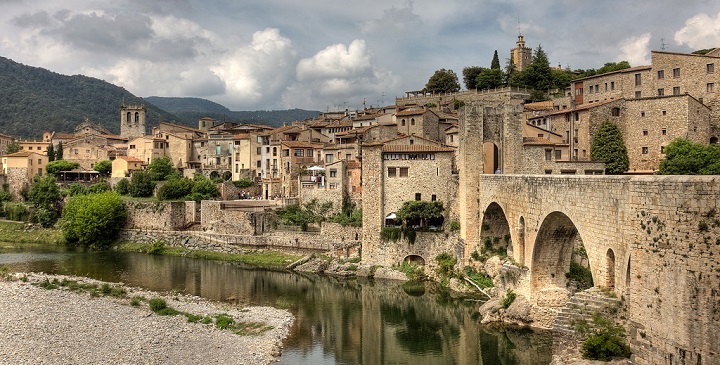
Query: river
{"type": "Point", "coordinates": [338, 321]}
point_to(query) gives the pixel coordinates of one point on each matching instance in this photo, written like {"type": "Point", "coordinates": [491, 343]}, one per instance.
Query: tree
{"type": "Point", "coordinates": [684, 157]}
{"type": "Point", "coordinates": [44, 192]}
{"type": "Point", "coordinates": [175, 189]}
{"type": "Point", "coordinates": [608, 146]}
{"type": "Point", "coordinates": [59, 152]}
{"type": "Point", "coordinates": [93, 220]}
{"type": "Point", "coordinates": [203, 189]}
{"type": "Point", "coordinates": [51, 153]}
{"type": "Point", "coordinates": [443, 81]}
{"type": "Point", "coordinates": [60, 165]}
{"type": "Point", "coordinates": [489, 79]}
{"type": "Point", "coordinates": [538, 75]}
{"type": "Point", "coordinates": [420, 212]}
{"type": "Point", "coordinates": [123, 186]}
{"type": "Point", "coordinates": [141, 184]}
{"type": "Point", "coordinates": [495, 64]}
{"type": "Point", "coordinates": [470, 75]}
{"type": "Point", "coordinates": [160, 168]}
{"type": "Point", "coordinates": [613, 66]}
{"type": "Point", "coordinates": [13, 147]}
{"type": "Point", "coordinates": [104, 167]}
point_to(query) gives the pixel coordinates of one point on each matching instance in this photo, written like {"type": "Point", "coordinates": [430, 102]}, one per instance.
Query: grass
{"type": "Point", "coordinates": [264, 259]}
{"type": "Point", "coordinates": [14, 232]}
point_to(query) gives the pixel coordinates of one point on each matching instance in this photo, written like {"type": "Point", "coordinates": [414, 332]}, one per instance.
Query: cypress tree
{"type": "Point", "coordinates": [495, 64]}
{"type": "Point", "coordinates": [59, 152]}
{"type": "Point", "coordinates": [51, 153]}
{"type": "Point", "coordinates": [607, 145]}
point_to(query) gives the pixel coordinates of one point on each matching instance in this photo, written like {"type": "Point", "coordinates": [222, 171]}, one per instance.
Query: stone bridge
{"type": "Point", "coordinates": [654, 240]}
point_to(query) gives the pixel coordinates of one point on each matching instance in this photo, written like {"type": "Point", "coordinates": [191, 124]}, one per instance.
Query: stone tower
{"type": "Point", "coordinates": [521, 56]}
{"type": "Point", "coordinates": [132, 121]}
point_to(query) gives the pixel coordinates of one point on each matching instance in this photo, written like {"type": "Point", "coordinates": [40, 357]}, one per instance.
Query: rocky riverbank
{"type": "Point", "coordinates": [60, 326]}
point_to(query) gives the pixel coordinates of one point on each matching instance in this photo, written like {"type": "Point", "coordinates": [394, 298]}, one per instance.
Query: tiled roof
{"type": "Point", "coordinates": [301, 144]}
{"type": "Point", "coordinates": [416, 148]}
{"type": "Point", "coordinates": [130, 159]}
{"type": "Point", "coordinates": [411, 111]}
{"type": "Point", "coordinates": [22, 154]}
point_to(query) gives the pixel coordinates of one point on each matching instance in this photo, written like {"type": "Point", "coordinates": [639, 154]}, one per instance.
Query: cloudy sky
{"type": "Point", "coordinates": [331, 54]}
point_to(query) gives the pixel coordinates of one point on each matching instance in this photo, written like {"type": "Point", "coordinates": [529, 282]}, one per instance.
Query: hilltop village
{"type": "Point", "coordinates": [500, 165]}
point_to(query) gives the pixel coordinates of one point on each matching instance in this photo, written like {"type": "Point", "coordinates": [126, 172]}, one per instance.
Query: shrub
{"type": "Point", "coordinates": [56, 166]}
{"type": "Point", "coordinates": [480, 278]}
{"type": "Point", "coordinates": [141, 184]}
{"type": "Point", "coordinates": [93, 220]}
{"type": "Point", "coordinates": [454, 226]}
{"type": "Point", "coordinates": [76, 189]}
{"type": "Point", "coordinates": [581, 275]}
{"type": "Point", "coordinates": [413, 272]}
{"type": "Point", "coordinates": [160, 168]}
{"type": "Point", "coordinates": [17, 211]}
{"type": "Point", "coordinates": [157, 247]}
{"type": "Point", "coordinates": [509, 298]}
{"type": "Point", "coordinates": [606, 342]}
{"type": "Point", "coordinates": [446, 265]}
{"type": "Point", "coordinates": [44, 192]}
{"type": "Point", "coordinates": [104, 167]}
{"type": "Point", "coordinates": [243, 183]}
{"type": "Point", "coordinates": [175, 189]}
{"type": "Point", "coordinates": [160, 307]}
{"type": "Point", "coordinates": [123, 186]}
{"type": "Point", "coordinates": [98, 188]}
{"type": "Point", "coordinates": [223, 321]}
{"type": "Point", "coordinates": [203, 189]}
{"type": "Point", "coordinates": [46, 217]}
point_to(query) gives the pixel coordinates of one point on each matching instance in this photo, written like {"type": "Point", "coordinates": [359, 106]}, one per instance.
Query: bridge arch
{"type": "Point", "coordinates": [610, 268]}
{"type": "Point", "coordinates": [491, 157]}
{"type": "Point", "coordinates": [495, 231]}
{"type": "Point", "coordinates": [553, 251]}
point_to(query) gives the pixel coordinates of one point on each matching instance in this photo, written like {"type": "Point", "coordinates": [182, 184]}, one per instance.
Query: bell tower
{"type": "Point", "coordinates": [132, 120]}
{"type": "Point", "coordinates": [521, 56]}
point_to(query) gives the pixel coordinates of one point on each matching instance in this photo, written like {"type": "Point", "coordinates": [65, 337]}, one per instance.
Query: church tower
{"type": "Point", "coordinates": [521, 56]}
{"type": "Point", "coordinates": [132, 121]}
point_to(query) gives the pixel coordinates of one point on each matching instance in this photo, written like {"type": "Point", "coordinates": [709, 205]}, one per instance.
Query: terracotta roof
{"type": "Point", "coordinates": [411, 111]}
{"type": "Point", "coordinates": [631, 69]}
{"type": "Point", "coordinates": [301, 144]}
{"type": "Point", "coordinates": [370, 116]}
{"type": "Point", "coordinates": [22, 154]}
{"type": "Point", "coordinates": [686, 54]}
{"type": "Point", "coordinates": [416, 148]}
{"type": "Point", "coordinates": [130, 159]}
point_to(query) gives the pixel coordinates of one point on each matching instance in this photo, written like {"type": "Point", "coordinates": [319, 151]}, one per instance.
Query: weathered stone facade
{"type": "Point", "coordinates": [156, 215]}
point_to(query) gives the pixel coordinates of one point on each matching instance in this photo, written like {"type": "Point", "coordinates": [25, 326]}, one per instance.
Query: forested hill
{"type": "Point", "coordinates": [33, 100]}
{"type": "Point", "coordinates": [189, 110]}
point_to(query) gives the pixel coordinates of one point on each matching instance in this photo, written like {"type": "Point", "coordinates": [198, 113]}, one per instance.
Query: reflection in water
{"type": "Point", "coordinates": [338, 321]}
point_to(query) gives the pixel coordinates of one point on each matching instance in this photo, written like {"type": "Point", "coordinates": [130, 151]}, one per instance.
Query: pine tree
{"type": "Point", "coordinates": [608, 145]}
{"type": "Point", "coordinates": [495, 64]}
{"type": "Point", "coordinates": [59, 152]}
{"type": "Point", "coordinates": [51, 153]}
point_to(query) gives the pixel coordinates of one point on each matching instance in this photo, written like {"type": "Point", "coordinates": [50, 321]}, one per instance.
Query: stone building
{"type": "Point", "coordinates": [20, 167]}
{"type": "Point", "coordinates": [420, 122]}
{"type": "Point", "coordinates": [521, 56]}
{"type": "Point", "coordinates": [88, 150]}
{"type": "Point", "coordinates": [5, 140]}
{"type": "Point", "coordinates": [123, 166]}
{"type": "Point", "coordinates": [132, 120]}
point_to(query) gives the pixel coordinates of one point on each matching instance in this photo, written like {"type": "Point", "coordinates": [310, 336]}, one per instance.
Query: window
{"type": "Point", "coordinates": [676, 72]}
{"type": "Point", "coordinates": [710, 87]}
{"type": "Point", "coordinates": [298, 152]}
{"type": "Point", "coordinates": [548, 172]}
{"type": "Point", "coordinates": [29, 148]}
{"type": "Point", "coordinates": [309, 153]}
{"type": "Point", "coordinates": [286, 153]}
{"type": "Point", "coordinates": [39, 161]}
{"type": "Point", "coordinates": [333, 172]}
{"type": "Point", "coordinates": [661, 74]}
{"type": "Point", "coordinates": [645, 132]}
{"type": "Point", "coordinates": [644, 150]}
{"type": "Point", "coordinates": [548, 155]}
{"type": "Point", "coordinates": [404, 171]}
{"type": "Point", "coordinates": [433, 197]}
{"type": "Point", "coordinates": [661, 92]}
{"type": "Point", "coordinates": [412, 121]}
{"type": "Point", "coordinates": [676, 90]}
{"type": "Point", "coordinates": [615, 112]}
{"type": "Point", "coordinates": [638, 94]}
{"type": "Point", "coordinates": [418, 196]}
{"type": "Point", "coordinates": [590, 89]}
{"type": "Point", "coordinates": [328, 157]}
{"type": "Point", "coordinates": [267, 149]}
{"type": "Point", "coordinates": [606, 86]}
{"type": "Point", "coordinates": [392, 171]}
{"type": "Point", "coordinates": [710, 67]}
{"type": "Point", "coordinates": [348, 156]}
{"type": "Point", "coordinates": [664, 112]}
{"type": "Point", "coordinates": [638, 79]}
{"type": "Point", "coordinates": [642, 114]}
{"type": "Point", "coordinates": [612, 85]}
{"type": "Point", "coordinates": [558, 154]}
{"type": "Point", "coordinates": [274, 151]}
{"type": "Point", "coordinates": [664, 132]}
{"type": "Point", "coordinates": [258, 164]}
{"type": "Point", "coordinates": [259, 151]}
{"type": "Point", "coordinates": [402, 122]}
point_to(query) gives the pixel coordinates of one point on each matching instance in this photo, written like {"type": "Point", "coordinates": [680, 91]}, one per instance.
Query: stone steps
{"type": "Point", "coordinates": [581, 307]}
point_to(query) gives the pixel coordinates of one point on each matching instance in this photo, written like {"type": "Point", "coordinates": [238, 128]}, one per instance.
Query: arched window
{"type": "Point", "coordinates": [137, 117]}
{"type": "Point", "coordinates": [412, 121]}
{"type": "Point", "coordinates": [615, 112]}
{"type": "Point", "coordinates": [128, 117]}
{"type": "Point", "coordinates": [402, 122]}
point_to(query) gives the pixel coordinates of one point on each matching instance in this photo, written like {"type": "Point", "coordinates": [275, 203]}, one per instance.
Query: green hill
{"type": "Point", "coordinates": [33, 100]}
{"type": "Point", "coordinates": [189, 110]}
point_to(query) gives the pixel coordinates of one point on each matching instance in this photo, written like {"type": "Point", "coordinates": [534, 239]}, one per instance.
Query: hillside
{"type": "Point", "coordinates": [189, 110]}
{"type": "Point", "coordinates": [33, 100]}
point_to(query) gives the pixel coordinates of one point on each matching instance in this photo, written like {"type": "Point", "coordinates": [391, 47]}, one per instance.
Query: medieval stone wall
{"type": "Point", "coordinates": [155, 215]}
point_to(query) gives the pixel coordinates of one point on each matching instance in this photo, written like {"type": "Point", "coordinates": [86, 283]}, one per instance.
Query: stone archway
{"type": "Point", "coordinates": [495, 235]}
{"type": "Point", "coordinates": [552, 255]}
{"type": "Point", "coordinates": [491, 158]}
{"type": "Point", "coordinates": [610, 268]}
{"type": "Point", "coordinates": [414, 259]}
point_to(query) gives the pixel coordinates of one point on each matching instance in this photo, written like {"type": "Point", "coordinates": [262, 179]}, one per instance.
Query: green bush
{"type": "Point", "coordinates": [446, 265]}
{"type": "Point", "coordinates": [98, 188]}
{"type": "Point", "coordinates": [160, 307]}
{"type": "Point", "coordinates": [203, 189]}
{"type": "Point", "coordinates": [104, 167]}
{"type": "Point", "coordinates": [93, 220]}
{"type": "Point", "coordinates": [141, 184]}
{"type": "Point", "coordinates": [157, 247]}
{"type": "Point", "coordinates": [581, 275]}
{"type": "Point", "coordinates": [175, 189]}
{"type": "Point", "coordinates": [76, 189]}
{"type": "Point", "coordinates": [243, 183]}
{"type": "Point", "coordinates": [56, 166]}
{"type": "Point", "coordinates": [16, 211]}
{"type": "Point", "coordinates": [46, 217]}
{"type": "Point", "coordinates": [123, 186]}
{"type": "Point", "coordinates": [390, 234]}
{"type": "Point", "coordinates": [412, 271]}
{"type": "Point", "coordinates": [224, 321]}
{"type": "Point", "coordinates": [160, 168]}
{"type": "Point", "coordinates": [454, 226]}
{"type": "Point", "coordinates": [606, 342]}
{"type": "Point", "coordinates": [480, 278]}
{"type": "Point", "coordinates": [509, 298]}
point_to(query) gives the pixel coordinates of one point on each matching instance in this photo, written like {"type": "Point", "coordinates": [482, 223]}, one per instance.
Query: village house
{"type": "Point", "coordinates": [124, 166]}
{"type": "Point", "coordinates": [20, 167]}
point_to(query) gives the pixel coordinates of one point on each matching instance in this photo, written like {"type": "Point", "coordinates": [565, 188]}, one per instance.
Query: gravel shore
{"type": "Point", "coordinates": [41, 326]}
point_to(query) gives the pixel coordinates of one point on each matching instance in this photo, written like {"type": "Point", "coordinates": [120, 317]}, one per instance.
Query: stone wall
{"type": "Point", "coordinates": [17, 180]}
{"type": "Point", "coordinates": [235, 217]}
{"type": "Point", "coordinates": [155, 215]}
{"type": "Point", "coordinates": [323, 195]}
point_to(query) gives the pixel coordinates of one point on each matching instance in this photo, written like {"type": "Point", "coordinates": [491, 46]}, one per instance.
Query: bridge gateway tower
{"type": "Point", "coordinates": [132, 120]}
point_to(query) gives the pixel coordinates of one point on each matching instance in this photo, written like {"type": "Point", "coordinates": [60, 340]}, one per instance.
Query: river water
{"type": "Point", "coordinates": [338, 321]}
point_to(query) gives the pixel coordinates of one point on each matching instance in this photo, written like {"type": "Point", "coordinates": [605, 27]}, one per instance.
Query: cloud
{"type": "Point", "coordinates": [700, 31]}
{"type": "Point", "coordinates": [336, 61]}
{"type": "Point", "coordinates": [259, 71]}
{"type": "Point", "coordinates": [394, 21]}
{"type": "Point", "coordinates": [635, 50]}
